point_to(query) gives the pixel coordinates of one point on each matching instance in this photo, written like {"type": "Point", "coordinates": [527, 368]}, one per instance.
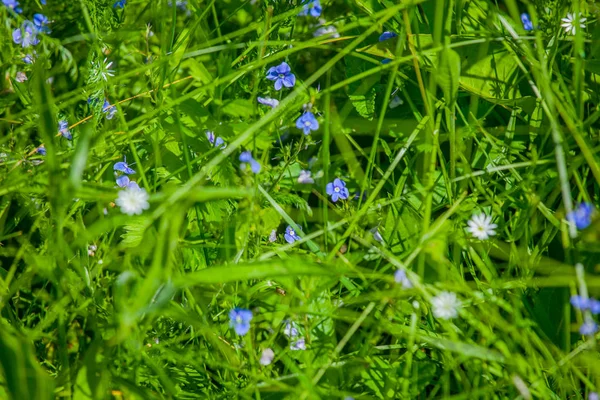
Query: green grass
{"type": "Point", "coordinates": [469, 114]}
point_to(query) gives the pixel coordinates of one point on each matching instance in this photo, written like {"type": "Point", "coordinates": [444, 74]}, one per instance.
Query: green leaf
{"type": "Point", "coordinates": [361, 93]}
{"type": "Point", "coordinates": [448, 74]}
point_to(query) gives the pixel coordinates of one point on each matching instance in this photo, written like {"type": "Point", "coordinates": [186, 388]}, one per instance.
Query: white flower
{"type": "Point", "coordinates": [102, 69]}
{"type": "Point", "coordinates": [376, 235]}
{"type": "Point", "coordinates": [21, 77]}
{"type": "Point", "coordinates": [305, 177]}
{"type": "Point", "coordinates": [445, 305]}
{"type": "Point", "coordinates": [481, 226]}
{"type": "Point", "coordinates": [273, 236]}
{"type": "Point", "coordinates": [267, 356]}
{"type": "Point", "coordinates": [571, 21]}
{"type": "Point", "coordinates": [400, 277]}
{"type": "Point", "coordinates": [395, 102]}
{"type": "Point", "coordinates": [133, 200]}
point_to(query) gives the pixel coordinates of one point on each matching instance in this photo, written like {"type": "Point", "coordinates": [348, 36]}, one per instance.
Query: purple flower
{"type": "Point", "coordinates": [26, 35]}
{"type": "Point", "coordinates": [527, 24]}
{"type": "Point", "coordinates": [29, 58]}
{"type": "Point", "coordinates": [246, 158]}
{"type": "Point", "coordinates": [589, 327]}
{"type": "Point", "coordinates": [593, 396]}
{"type": "Point", "coordinates": [124, 182]}
{"type": "Point", "coordinates": [41, 150]}
{"type": "Point", "coordinates": [579, 302]}
{"type": "Point", "coordinates": [63, 129]}
{"type": "Point", "coordinates": [387, 35]}
{"type": "Point", "coordinates": [582, 215]}
{"type": "Point", "coordinates": [400, 277]}
{"type": "Point", "coordinates": [123, 167]}
{"type": "Point", "coordinates": [290, 235]}
{"type": "Point", "coordinates": [40, 21]}
{"type": "Point", "coordinates": [305, 177]}
{"type": "Point", "coordinates": [312, 8]}
{"type": "Point", "coordinates": [267, 101]}
{"type": "Point", "coordinates": [216, 142]}
{"type": "Point", "coordinates": [109, 110]}
{"type": "Point", "coordinates": [594, 306]}
{"type": "Point", "coordinates": [299, 344]}
{"type": "Point", "coordinates": [239, 320]}
{"type": "Point", "coordinates": [282, 76]}
{"type": "Point", "coordinates": [120, 4]}
{"type": "Point", "coordinates": [13, 5]}
{"type": "Point", "coordinates": [290, 329]}
{"type": "Point", "coordinates": [307, 122]}
{"type": "Point", "coordinates": [337, 190]}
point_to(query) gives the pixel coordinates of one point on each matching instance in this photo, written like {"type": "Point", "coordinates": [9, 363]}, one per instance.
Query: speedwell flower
{"type": "Point", "coordinates": [123, 167]}
{"type": "Point", "coordinates": [267, 356]}
{"type": "Point", "coordinates": [239, 320]}
{"type": "Point", "coordinates": [246, 158]}
{"type": "Point", "coordinates": [445, 305]}
{"type": "Point", "coordinates": [282, 75]}
{"type": "Point", "coordinates": [337, 190]}
{"type": "Point", "coordinates": [267, 101]}
{"type": "Point", "coordinates": [582, 215]}
{"type": "Point", "coordinates": [120, 4]}
{"type": "Point", "coordinates": [133, 200]}
{"type": "Point", "coordinates": [63, 129]}
{"type": "Point", "coordinates": [312, 8]}
{"type": "Point", "coordinates": [109, 109]}
{"type": "Point", "coordinates": [215, 141]}
{"type": "Point", "coordinates": [290, 235]}
{"type": "Point", "coordinates": [527, 24]}
{"type": "Point", "coordinates": [299, 344]}
{"type": "Point", "coordinates": [589, 327]}
{"type": "Point", "coordinates": [26, 35]}
{"type": "Point", "coordinates": [13, 5]}
{"type": "Point", "coordinates": [387, 35]}
{"type": "Point", "coordinates": [304, 177]}
{"type": "Point", "coordinates": [481, 226]}
{"type": "Point", "coordinates": [307, 122]}
{"type": "Point", "coordinates": [571, 22]}
{"type": "Point", "coordinates": [400, 277]}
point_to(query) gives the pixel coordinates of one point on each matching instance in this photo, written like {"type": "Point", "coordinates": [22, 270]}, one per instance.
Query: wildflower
{"type": "Point", "coordinates": [571, 21]}
{"type": "Point", "coordinates": [40, 21]}
{"type": "Point", "coordinates": [594, 306]}
{"type": "Point", "coordinates": [400, 277]}
{"type": "Point", "coordinates": [216, 142]}
{"type": "Point", "coordinates": [337, 190]}
{"type": "Point", "coordinates": [120, 4]}
{"type": "Point", "coordinates": [328, 30]}
{"type": "Point", "coordinates": [13, 5]}
{"type": "Point", "coordinates": [290, 329]}
{"type": "Point", "coordinates": [396, 101]}
{"type": "Point", "coordinates": [307, 122]}
{"type": "Point", "coordinates": [589, 327]}
{"type": "Point", "coordinates": [387, 35]}
{"type": "Point", "coordinates": [593, 396]}
{"type": "Point", "coordinates": [123, 167]}
{"type": "Point", "coordinates": [273, 236]}
{"type": "Point", "coordinates": [239, 320]}
{"type": "Point", "coordinates": [527, 24]}
{"type": "Point", "coordinates": [26, 35]}
{"type": "Point", "coordinates": [580, 302]}
{"type": "Point", "coordinates": [109, 109]}
{"type": "Point", "coordinates": [267, 101]}
{"type": "Point", "coordinates": [290, 235]}
{"type": "Point", "coordinates": [267, 356]}
{"type": "Point", "coordinates": [124, 182]}
{"type": "Point", "coordinates": [312, 8]}
{"type": "Point", "coordinates": [29, 58]}
{"type": "Point", "coordinates": [92, 250]}
{"type": "Point", "coordinates": [376, 235]}
{"type": "Point", "coordinates": [481, 226]}
{"type": "Point", "coordinates": [21, 77]}
{"type": "Point", "coordinates": [246, 158]}
{"type": "Point", "coordinates": [445, 305]}
{"type": "Point", "coordinates": [304, 177]}
{"type": "Point", "coordinates": [133, 200]}
{"type": "Point", "coordinates": [386, 61]}
{"type": "Point", "coordinates": [41, 150]}
{"type": "Point", "coordinates": [299, 344]}
{"type": "Point", "coordinates": [582, 215]}
{"type": "Point", "coordinates": [103, 69]}
{"type": "Point", "coordinates": [282, 75]}
{"type": "Point", "coordinates": [63, 129]}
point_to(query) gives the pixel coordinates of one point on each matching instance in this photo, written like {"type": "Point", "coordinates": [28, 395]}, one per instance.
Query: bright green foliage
{"type": "Point", "coordinates": [463, 112]}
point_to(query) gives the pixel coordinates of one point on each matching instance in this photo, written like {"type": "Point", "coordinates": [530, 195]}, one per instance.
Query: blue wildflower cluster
{"type": "Point", "coordinates": [122, 171]}
{"type": "Point", "coordinates": [589, 326]}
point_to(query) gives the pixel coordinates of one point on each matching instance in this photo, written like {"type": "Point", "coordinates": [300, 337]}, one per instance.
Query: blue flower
{"type": "Point", "coordinates": [63, 129]}
{"type": "Point", "coordinates": [307, 122]}
{"type": "Point", "coordinates": [41, 150]}
{"type": "Point", "coordinates": [593, 396]}
{"type": "Point", "coordinates": [594, 306]}
{"type": "Point", "coordinates": [386, 61]}
{"type": "Point", "coordinates": [120, 4]}
{"type": "Point", "coordinates": [282, 75]}
{"type": "Point", "coordinates": [29, 58]}
{"type": "Point", "coordinates": [387, 35]}
{"type": "Point", "coordinates": [239, 320]}
{"type": "Point", "coordinates": [579, 302]}
{"type": "Point", "coordinates": [246, 158]}
{"type": "Point", "coordinates": [267, 101]}
{"type": "Point", "coordinates": [124, 182]}
{"type": "Point", "coordinates": [40, 21]}
{"type": "Point", "coordinates": [582, 215]}
{"type": "Point", "coordinates": [337, 190]}
{"type": "Point", "coordinates": [400, 277]}
{"type": "Point", "coordinates": [312, 8]}
{"type": "Point", "coordinates": [123, 167]}
{"type": "Point", "coordinates": [527, 24]}
{"type": "Point", "coordinates": [589, 327]}
{"type": "Point", "coordinates": [290, 235]}
{"type": "Point", "coordinates": [299, 344]}
{"type": "Point", "coordinates": [109, 110]}
{"type": "Point", "coordinates": [26, 35]}
{"type": "Point", "coordinates": [13, 5]}
{"type": "Point", "coordinates": [217, 142]}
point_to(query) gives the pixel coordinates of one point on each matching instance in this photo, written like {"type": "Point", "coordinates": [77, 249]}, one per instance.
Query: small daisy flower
{"type": "Point", "coordinates": [266, 357]}
{"type": "Point", "coordinates": [290, 235]}
{"type": "Point", "coordinates": [307, 122]}
{"type": "Point", "coordinates": [445, 305]}
{"type": "Point", "coordinates": [572, 21]}
{"type": "Point", "coordinates": [239, 320]}
{"type": "Point", "coordinates": [312, 8]}
{"type": "Point", "coordinates": [133, 200]}
{"type": "Point", "coordinates": [63, 129]}
{"type": "Point", "coordinates": [282, 75]}
{"type": "Point", "coordinates": [401, 278]}
{"type": "Point", "coordinates": [582, 215]}
{"type": "Point", "coordinates": [305, 178]}
{"type": "Point", "coordinates": [481, 226]}
{"type": "Point", "coordinates": [267, 101]}
{"type": "Point", "coordinates": [337, 190]}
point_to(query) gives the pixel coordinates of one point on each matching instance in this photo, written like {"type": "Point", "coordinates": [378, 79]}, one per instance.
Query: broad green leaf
{"type": "Point", "coordinates": [448, 74]}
